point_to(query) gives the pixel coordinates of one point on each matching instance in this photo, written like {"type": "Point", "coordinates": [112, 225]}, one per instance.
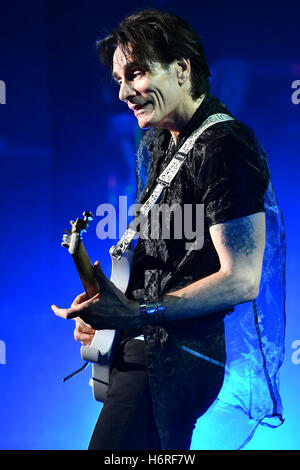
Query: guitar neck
{"type": "Point", "coordinates": [85, 270]}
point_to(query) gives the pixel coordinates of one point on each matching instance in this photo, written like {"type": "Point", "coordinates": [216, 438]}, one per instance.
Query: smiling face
{"type": "Point", "coordinates": [157, 96]}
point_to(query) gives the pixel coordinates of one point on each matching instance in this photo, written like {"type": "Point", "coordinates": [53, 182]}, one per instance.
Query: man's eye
{"type": "Point", "coordinates": [137, 73]}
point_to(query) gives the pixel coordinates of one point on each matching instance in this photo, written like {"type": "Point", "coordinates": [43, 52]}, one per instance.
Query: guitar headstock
{"type": "Point", "coordinates": [72, 237]}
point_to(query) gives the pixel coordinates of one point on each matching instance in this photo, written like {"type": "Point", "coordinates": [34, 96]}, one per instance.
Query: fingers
{"type": "Point", "coordinates": [79, 299]}
{"type": "Point", "coordinates": [60, 312]}
{"type": "Point", "coordinates": [79, 321]}
{"type": "Point", "coordinates": [83, 327]}
{"type": "Point", "coordinates": [85, 339]}
{"type": "Point", "coordinates": [75, 310]}
{"type": "Point", "coordinates": [104, 282]}
{"type": "Point", "coordinates": [99, 273]}
{"type": "Point", "coordinates": [84, 333]}
{"type": "Point", "coordinates": [65, 313]}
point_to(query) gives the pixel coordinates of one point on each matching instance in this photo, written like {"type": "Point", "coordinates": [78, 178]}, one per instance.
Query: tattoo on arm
{"type": "Point", "coordinates": [238, 235]}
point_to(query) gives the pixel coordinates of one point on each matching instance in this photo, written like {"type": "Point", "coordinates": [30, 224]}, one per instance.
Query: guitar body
{"type": "Point", "coordinates": [100, 351]}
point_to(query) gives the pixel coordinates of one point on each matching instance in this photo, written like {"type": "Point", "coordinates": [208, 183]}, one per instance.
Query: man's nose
{"type": "Point", "coordinates": [126, 91]}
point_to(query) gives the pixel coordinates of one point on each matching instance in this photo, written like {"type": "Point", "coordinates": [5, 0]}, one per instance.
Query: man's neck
{"type": "Point", "coordinates": [185, 116]}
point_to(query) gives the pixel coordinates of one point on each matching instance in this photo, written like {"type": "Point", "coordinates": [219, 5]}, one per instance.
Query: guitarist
{"type": "Point", "coordinates": [169, 365]}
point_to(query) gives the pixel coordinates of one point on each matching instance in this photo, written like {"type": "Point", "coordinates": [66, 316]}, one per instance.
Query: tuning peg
{"type": "Point", "coordinates": [66, 237]}
{"type": "Point", "coordinates": [66, 240]}
{"type": "Point", "coordinates": [88, 215]}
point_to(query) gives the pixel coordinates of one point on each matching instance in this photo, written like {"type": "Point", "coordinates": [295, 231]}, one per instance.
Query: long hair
{"type": "Point", "coordinates": [158, 36]}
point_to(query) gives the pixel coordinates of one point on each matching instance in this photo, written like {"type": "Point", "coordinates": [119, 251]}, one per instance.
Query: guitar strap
{"type": "Point", "coordinates": [164, 180]}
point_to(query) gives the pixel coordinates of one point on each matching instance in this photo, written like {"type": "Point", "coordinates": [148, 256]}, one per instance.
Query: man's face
{"type": "Point", "coordinates": [154, 96]}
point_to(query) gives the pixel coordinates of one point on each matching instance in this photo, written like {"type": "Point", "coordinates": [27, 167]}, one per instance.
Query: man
{"type": "Point", "coordinates": [177, 298]}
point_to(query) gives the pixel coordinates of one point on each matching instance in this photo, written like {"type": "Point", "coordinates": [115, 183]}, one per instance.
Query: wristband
{"type": "Point", "coordinates": [152, 312]}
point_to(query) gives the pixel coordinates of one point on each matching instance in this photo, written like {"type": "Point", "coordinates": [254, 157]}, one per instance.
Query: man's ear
{"type": "Point", "coordinates": [183, 70]}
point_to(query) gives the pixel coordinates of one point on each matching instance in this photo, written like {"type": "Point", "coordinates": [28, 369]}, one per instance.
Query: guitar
{"type": "Point", "coordinates": [100, 351]}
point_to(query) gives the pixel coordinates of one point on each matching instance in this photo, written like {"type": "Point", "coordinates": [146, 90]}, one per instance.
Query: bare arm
{"type": "Point", "coordinates": [240, 246]}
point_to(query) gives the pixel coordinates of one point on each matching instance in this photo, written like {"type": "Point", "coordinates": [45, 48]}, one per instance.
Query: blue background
{"type": "Point", "coordinates": [67, 144]}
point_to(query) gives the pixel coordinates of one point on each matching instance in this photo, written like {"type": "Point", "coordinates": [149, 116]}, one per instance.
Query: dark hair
{"type": "Point", "coordinates": [158, 36]}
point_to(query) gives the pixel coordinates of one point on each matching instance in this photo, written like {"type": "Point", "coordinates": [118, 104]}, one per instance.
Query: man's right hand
{"type": "Point", "coordinates": [83, 332]}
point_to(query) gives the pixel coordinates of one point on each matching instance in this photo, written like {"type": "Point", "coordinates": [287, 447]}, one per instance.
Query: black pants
{"type": "Point", "coordinates": [126, 421]}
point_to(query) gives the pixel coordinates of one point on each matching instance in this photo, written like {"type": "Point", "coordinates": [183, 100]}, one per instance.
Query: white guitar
{"type": "Point", "coordinates": [100, 351]}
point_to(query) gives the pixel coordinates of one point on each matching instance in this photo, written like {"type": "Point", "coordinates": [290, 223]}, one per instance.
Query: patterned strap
{"type": "Point", "coordinates": [165, 179]}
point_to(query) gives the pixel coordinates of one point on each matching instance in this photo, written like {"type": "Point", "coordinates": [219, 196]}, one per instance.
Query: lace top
{"type": "Point", "coordinates": [227, 171]}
